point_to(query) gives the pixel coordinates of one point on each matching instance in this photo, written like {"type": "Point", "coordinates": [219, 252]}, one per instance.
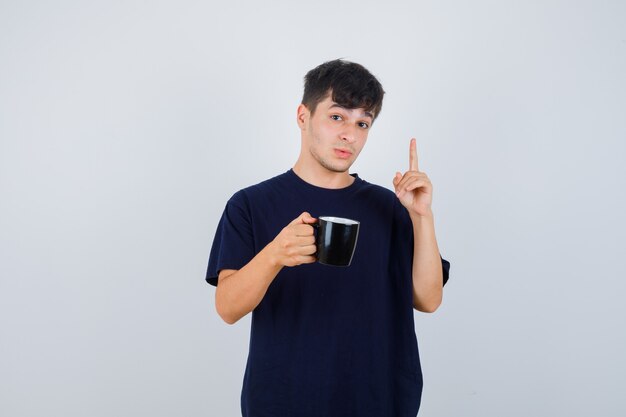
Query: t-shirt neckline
{"type": "Point", "coordinates": [355, 184]}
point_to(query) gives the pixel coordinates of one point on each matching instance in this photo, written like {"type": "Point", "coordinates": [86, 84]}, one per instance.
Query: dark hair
{"type": "Point", "coordinates": [352, 86]}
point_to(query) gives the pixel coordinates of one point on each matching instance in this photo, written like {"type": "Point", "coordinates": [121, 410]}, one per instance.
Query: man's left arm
{"type": "Point", "coordinates": [415, 192]}
{"type": "Point", "coordinates": [427, 268]}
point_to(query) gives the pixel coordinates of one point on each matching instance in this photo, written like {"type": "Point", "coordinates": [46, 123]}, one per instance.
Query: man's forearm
{"type": "Point", "coordinates": [239, 293]}
{"type": "Point", "coordinates": [427, 268]}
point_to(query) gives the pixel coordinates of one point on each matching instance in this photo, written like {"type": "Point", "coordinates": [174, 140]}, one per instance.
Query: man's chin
{"type": "Point", "coordinates": [334, 165]}
{"type": "Point", "coordinates": [340, 169]}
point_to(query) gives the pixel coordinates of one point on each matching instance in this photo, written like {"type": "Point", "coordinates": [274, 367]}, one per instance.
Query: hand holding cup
{"type": "Point", "coordinates": [295, 244]}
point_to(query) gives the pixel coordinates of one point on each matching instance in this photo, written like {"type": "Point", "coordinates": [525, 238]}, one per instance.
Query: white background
{"type": "Point", "coordinates": [125, 126]}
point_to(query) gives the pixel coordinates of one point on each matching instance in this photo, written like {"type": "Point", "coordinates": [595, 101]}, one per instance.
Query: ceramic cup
{"type": "Point", "coordinates": [336, 239]}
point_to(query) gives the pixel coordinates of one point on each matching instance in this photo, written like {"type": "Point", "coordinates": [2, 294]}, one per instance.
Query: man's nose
{"type": "Point", "coordinates": [350, 134]}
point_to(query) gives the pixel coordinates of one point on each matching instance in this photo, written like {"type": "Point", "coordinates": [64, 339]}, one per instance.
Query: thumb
{"type": "Point", "coordinates": [303, 218]}
{"type": "Point", "coordinates": [307, 218]}
{"type": "Point", "coordinates": [397, 178]}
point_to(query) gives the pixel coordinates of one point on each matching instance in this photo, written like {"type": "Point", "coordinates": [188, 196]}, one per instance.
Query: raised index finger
{"type": "Point", "coordinates": [413, 156]}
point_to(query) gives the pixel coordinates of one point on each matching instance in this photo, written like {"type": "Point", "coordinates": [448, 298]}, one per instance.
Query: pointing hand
{"type": "Point", "coordinates": [414, 188]}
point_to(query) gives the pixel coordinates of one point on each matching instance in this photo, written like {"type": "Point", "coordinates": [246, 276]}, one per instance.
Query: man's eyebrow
{"type": "Point", "coordinates": [367, 114]}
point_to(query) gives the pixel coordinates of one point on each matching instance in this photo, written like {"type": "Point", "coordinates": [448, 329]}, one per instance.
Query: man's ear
{"type": "Point", "coordinates": [303, 115]}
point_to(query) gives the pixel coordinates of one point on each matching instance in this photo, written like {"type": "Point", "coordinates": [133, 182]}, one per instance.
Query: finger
{"type": "Point", "coordinates": [307, 259]}
{"type": "Point", "coordinates": [310, 219]}
{"type": "Point", "coordinates": [308, 250]}
{"type": "Point", "coordinates": [303, 218]}
{"type": "Point", "coordinates": [303, 230]}
{"type": "Point", "coordinates": [408, 177]}
{"type": "Point", "coordinates": [413, 156]}
{"type": "Point", "coordinates": [397, 178]}
{"type": "Point", "coordinates": [305, 241]}
{"type": "Point", "coordinates": [305, 254]}
{"type": "Point", "coordinates": [415, 184]}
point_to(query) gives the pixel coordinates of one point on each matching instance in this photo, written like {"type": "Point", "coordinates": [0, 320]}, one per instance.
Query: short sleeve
{"type": "Point", "coordinates": [445, 266]}
{"type": "Point", "coordinates": [233, 244]}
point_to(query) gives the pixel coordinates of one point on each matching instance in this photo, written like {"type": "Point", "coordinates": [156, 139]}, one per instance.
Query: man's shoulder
{"type": "Point", "coordinates": [259, 189]}
{"type": "Point", "coordinates": [375, 189]}
{"type": "Point", "coordinates": [383, 197]}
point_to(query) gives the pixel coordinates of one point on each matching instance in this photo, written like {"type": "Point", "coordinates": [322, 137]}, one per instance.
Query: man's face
{"type": "Point", "coordinates": [334, 135]}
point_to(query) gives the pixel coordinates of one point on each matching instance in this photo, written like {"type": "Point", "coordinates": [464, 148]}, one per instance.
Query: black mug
{"type": "Point", "coordinates": [336, 240]}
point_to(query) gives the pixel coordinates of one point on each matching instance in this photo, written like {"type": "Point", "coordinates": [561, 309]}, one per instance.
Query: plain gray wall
{"type": "Point", "coordinates": [125, 127]}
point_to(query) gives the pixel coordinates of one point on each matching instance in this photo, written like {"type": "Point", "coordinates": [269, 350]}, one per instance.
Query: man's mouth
{"type": "Point", "coordinates": [342, 153]}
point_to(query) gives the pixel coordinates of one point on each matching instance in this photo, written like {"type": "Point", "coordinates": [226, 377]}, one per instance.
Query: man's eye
{"type": "Point", "coordinates": [364, 125]}
{"type": "Point", "coordinates": [335, 115]}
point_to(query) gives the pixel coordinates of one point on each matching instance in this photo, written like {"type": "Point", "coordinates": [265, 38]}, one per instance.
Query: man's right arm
{"type": "Point", "coordinates": [238, 292]}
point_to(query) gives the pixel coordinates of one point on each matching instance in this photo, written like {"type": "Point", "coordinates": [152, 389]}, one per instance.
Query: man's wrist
{"type": "Point", "coordinates": [417, 218]}
{"type": "Point", "coordinates": [271, 259]}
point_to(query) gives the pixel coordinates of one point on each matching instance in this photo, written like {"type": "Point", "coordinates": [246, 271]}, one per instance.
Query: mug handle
{"type": "Point", "coordinates": [316, 227]}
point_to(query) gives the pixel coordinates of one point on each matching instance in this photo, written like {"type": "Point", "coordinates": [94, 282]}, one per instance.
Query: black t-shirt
{"type": "Point", "coordinates": [327, 341]}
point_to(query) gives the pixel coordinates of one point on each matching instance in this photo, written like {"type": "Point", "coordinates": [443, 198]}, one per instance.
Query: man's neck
{"type": "Point", "coordinates": [321, 177]}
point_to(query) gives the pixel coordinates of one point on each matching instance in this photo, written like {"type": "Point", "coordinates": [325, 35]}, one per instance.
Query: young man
{"type": "Point", "coordinates": [330, 341]}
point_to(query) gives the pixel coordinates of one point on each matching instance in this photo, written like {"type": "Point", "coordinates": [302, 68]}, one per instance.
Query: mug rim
{"type": "Point", "coordinates": [339, 220]}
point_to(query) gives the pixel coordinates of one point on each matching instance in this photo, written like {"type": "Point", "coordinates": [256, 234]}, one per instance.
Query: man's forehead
{"type": "Point", "coordinates": [364, 113]}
